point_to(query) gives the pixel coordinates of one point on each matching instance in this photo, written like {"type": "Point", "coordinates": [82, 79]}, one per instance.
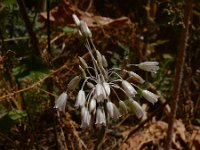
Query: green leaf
{"type": "Point", "coordinates": [17, 114]}
{"type": "Point", "coordinates": [11, 118]}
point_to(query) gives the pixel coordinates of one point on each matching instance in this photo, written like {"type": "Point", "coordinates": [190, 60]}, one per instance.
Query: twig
{"type": "Point", "coordinates": [34, 84]}
{"type": "Point", "coordinates": [16, 39]}
{"type": "Point", "coordinates": [179, 71]}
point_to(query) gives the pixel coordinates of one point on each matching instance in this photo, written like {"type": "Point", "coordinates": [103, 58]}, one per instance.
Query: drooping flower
{"type": "Point", "coordinates": [116, 113]}
{"type": "Point", "coordinates": [110, 109]}
{"type": "Point", "coordinates": [100, 92]}
{"type": "Point", "coordinates": [80, 99]}
{"type": "Point", "coordinates": [100, 117]}
{"type": "Point", "coordinates": [60, 102]}
{"type": "Point", "coordinates": [139, 111]}
{"type": "Point", "coordinates": [128, 88]}
{"type": "Point", "coordinates": [151, 97]}
{"type": "Point", "coordinates": [150, 66]}
{"type": "Point", "coordinates": [86, 118]}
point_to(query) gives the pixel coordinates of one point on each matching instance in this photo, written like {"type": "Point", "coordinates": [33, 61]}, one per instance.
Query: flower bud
{"type": "Point", "coordinates": [76, 19]}
{"type": "Point", "coordinates": [104, 61]}
{"type": "Point", "coordinates": [149, 66]}
{"type": "Point", "coordinates": [83, 73]}
{"type": "Point", "coordinates": [99, 58]}
{"type": "Point", "coordinates": [80, 99]}
{"type": "Point", "coordinates": [136, 77]}
{"type": "Point", "coordinates": [83, 63]}
{"type": "Point", "coordinates": [85, 30]}
{"type": "Point", "coordinates": [151, 97]}
{"type": "Point", "coordinates": [128, 88]}
{"type": "Point", "coordinates": [74, 83]}
{"type": "Point", "coordinates": [90, 85]}
{"type": "Point", "coordinates": [92, 105]}
{"type": "Point", "coordinates": [123, 106]}
{"type": "Point", "coordinates": [60, 102]}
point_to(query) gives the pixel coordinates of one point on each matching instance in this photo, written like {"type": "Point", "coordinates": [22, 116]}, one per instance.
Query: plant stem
{"type": "Point", "coordinates": [29, 27]}
{"type": "Point", "coordinates": [179, 71]}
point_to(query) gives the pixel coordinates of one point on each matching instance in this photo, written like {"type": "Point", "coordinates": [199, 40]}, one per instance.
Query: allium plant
{"type": "Point", "coordinates": [99, 82]}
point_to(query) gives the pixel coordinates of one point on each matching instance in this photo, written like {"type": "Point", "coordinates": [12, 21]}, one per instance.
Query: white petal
{"type": "Point", "coordinates": [106, 88]}
{"type": "Point", "coordinates": [149, 66]}
{"type": "Point", "coordinates": [151, 97]}
{"type": "Point", "coordinates": [80, 99]}
{"type": "Point", "coordinates": [100, 117]}
{"type": "Point", "coordinates": [139, 111]}
{"type": "Point", "coordinates": [86, 117]}
{"type": "Point", "coordinates": [76, 20]}
{"type": "Point", "coordinates": [92, 104]}
{"type": "Point", "coordinates": [128, 88]}
{"type": "Point", "coordinates": [100, 92]}
{"type": "Point", "coordinates": [110, 109]}
{"type": "Point", "coordinates": [60, 102]}
{"type": "Point", "coordinates": [85, 30]}
{"type": "Point", "coordinates": [116, 112]}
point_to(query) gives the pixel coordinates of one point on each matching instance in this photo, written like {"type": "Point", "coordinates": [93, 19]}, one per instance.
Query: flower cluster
{"type": "Point", "coordinates": [99, 82]}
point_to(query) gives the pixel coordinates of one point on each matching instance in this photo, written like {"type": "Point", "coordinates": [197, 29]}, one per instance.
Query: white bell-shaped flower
{"type": "Point", "coordinates": [139, 111]}
{"type": "Point", "coordinates": [110, 109]}
{"type": "Point", "coordinates": [128, 88]}
{"type": "Point", "coordinates": [100, 117]}
{"type": "Point", "coordinates": [60, 102]}
{"type": "Point", "coordinates": [151, 97]}
{"type": "Point", "coordinates": [86, 117]}
{"type": "Point", "coordinates": [150, 66]}
{"type": "Point", "coordinates": [80, 99]}
{"type": "Point", "coordinates": [100, 93]}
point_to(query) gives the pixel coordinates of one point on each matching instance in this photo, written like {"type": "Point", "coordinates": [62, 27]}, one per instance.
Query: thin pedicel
{"type": "Point", "coordinates": [99, 81]}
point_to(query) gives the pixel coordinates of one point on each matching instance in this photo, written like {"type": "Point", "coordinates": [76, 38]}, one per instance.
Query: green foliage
{"type": "Point", "coordinates": [10, 119]}
{"type": "Point", "coordinates": [164, 78]}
